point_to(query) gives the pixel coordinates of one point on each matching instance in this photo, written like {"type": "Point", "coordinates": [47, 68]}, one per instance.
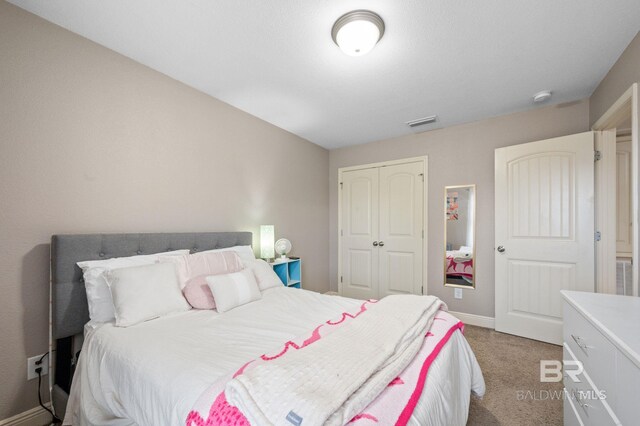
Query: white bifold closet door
{"type": "Point", "coordinates": [381, 231]}
{"type": "Point", "coordinates": [544, 219]}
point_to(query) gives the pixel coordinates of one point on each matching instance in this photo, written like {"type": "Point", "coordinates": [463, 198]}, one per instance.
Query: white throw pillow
{"type": "Point", "coordinates": [232, 290]}
{"type": "Point", "coordinates": [264, 273]}
{"type": "Point", "coordinates": [141, 293]}
{"type": "Point", "coordinates": [244, 252]}
{"type": "Point", "coordinates": [98, 294]}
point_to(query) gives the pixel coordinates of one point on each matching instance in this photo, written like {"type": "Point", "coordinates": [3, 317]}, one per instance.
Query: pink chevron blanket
{"type": "Point", "coordinates": [394, 405]}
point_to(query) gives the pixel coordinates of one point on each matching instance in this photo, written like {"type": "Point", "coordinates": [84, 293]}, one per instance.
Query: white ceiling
{"type": "Point", "coordinates": [461, 60]}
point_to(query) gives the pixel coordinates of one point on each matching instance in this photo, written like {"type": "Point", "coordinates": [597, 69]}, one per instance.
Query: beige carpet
{"type": "Point", "coordinates": [511, 369]}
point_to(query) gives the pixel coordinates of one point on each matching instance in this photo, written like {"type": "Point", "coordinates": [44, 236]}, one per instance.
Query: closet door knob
{"type": "Point", "coordinates": [381, 243]}
{"type": "Point", "coordinates": [501, 249]}
{"type": "Point", "coordinates": [375, 244]}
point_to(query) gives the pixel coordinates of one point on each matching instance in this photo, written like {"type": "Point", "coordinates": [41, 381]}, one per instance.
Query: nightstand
{"type": "Point", "coordinates": [289, 272]}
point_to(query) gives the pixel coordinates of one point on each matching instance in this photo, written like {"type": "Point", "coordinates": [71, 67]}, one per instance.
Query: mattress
{"type": "Point", "coordinates": [152, 373]}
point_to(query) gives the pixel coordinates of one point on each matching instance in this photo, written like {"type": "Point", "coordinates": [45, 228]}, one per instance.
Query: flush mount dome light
{"type": "Point", "coordinates": [357, 32]}
{"type": "Point", "coordinates": [542, 96]}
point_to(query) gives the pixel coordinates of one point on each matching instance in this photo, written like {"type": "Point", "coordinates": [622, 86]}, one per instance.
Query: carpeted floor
{"type": "Point", "coordinates": [511, 369]}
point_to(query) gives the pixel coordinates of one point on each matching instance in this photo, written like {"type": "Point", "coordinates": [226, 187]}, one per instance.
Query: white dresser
{"type": "Point", "coordinates": [602, 332]}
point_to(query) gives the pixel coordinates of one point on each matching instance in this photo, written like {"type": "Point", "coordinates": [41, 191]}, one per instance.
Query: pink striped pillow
{"type": "Point", "coordinates": [207, 263]}
{"type": "Point", "coordinates": [193, 268]}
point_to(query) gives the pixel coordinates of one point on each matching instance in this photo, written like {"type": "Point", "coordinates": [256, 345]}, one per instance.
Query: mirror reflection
{"type": "Point", "coordinates": [459, 236]}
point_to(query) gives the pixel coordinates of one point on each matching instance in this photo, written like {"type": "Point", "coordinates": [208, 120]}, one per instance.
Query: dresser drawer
{"type": "Point", "coordinates": [571, 416]}
{"type": "Point", "coordinates": [589, 346]}
{"type": "Point", "coordinates": [627, 402]}
{"type": "Point", "coordinates": [590, 403]}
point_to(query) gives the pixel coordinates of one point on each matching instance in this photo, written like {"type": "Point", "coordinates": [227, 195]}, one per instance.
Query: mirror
{"type": "Point", "coordinates": [459, 236]}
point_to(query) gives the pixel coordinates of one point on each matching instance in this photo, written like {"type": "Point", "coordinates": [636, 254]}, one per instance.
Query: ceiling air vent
{"type": "Point", "coordinates": [422, 121]}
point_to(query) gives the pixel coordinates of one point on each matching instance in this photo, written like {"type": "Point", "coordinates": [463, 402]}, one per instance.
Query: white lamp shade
{"type": "Point", "coordinates": [357, 38]}
{"type": "Point", "coordinates": [267, 236]}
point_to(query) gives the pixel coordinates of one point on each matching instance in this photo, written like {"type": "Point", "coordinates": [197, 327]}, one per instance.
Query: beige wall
{"type": "Point", "coordinates": [91, 141]}
{"type": "Point", "coordinates": [620, 77]}
{"type": "Point", "coordinates": [459, 155]}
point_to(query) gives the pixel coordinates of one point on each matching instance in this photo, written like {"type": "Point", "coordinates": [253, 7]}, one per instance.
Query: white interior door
{"type": "Point", "coordinates": [359, 257]}
{"type": "Point", "coordinates": [401, 229]}
{"type": "Point", "coordinates": [544, 232]}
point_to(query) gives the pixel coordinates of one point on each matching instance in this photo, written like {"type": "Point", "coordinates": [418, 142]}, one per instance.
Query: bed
{"type": "Point", "coordinates": [460, 265]}
{"type": "Point", "coordinates": [153, 373]}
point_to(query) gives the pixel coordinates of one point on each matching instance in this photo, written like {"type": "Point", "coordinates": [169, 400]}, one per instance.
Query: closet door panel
{"type": "Point", "coordinates": [401, 228]}
{"type": "Point", "coordinates": [359, 257]}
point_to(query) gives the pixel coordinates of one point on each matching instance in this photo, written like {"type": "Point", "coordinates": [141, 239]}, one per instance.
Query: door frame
{"type": "Point", "coordinates": [605, 186]}
{"type": "Point", "coordinates": [425, 168]}
{"type": "Point", "coordinates": [625, 106]}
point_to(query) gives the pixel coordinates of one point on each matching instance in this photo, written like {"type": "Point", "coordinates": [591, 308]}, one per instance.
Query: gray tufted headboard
{"type": "Point", "coordinates": [69, 311]}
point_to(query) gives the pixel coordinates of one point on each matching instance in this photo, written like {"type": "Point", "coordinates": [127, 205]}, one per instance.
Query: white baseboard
{"type": "Point", "coordinates": [472, 319]}
{"type": "Point", "coordinates": [37, 416]}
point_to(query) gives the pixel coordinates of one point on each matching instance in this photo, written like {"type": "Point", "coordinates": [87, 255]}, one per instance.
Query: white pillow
{"type": "Point", "coordinates": [264, 273]}
{"type": "Point", "coordinates": [141, 293]}
{"type": "Point", "coordinates": [244, 252]}
{"type": "Point", "coordinates": [98, 294]}
{"type": "Point", "coordinates": [232, 290]}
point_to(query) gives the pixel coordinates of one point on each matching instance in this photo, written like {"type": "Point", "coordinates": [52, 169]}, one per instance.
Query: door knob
{"type": "Point", "coordinates": [375, 244]}
{"type": "Point", "coordinates": [501, 249]}
{"type": "Point", "coordinates": [381, 243]}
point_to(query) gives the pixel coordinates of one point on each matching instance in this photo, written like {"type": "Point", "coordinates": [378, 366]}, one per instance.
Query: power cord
{"type": "Point", "coordinates": [56, 419]}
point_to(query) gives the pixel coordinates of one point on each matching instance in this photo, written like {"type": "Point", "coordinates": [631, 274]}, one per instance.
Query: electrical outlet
{"type": "Point", "coordinates": [31, 366]}
{"type": "Point", "coordinates": [457, 293]}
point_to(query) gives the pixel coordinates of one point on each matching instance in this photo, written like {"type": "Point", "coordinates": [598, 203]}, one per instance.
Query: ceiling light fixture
{"type": "Point", "coordinates": [422, 121]}
{"type": "Point", "coordinates": [542, 96]}
{"type": "Point", "coordinates": [357, 32]}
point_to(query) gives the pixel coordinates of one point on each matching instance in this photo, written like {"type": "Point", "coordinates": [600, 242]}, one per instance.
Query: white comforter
{"type": "Point", "coordinates": [152, 373]}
